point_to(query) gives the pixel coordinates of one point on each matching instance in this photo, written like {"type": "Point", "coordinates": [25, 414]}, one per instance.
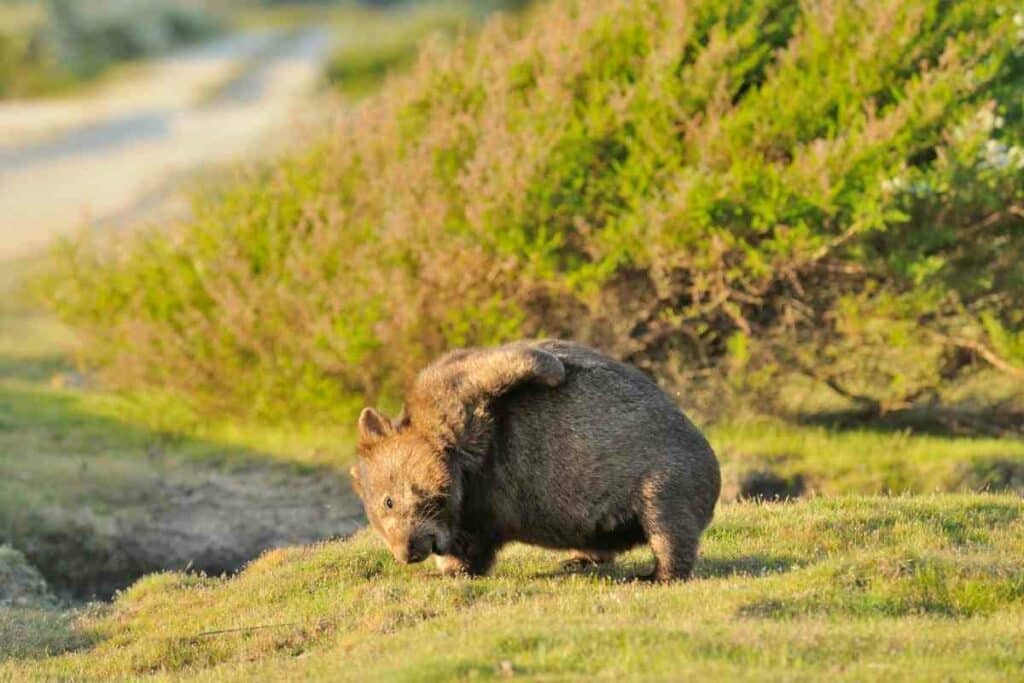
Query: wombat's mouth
{"type": "Point", "coordinates": [423, 548]}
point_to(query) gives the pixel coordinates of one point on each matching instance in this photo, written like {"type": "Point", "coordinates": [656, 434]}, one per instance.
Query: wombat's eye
{"type": "Point", "coordinates": [388, 503]}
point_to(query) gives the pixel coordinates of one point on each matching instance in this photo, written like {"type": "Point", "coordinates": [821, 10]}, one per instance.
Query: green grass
{"type": "Point", "coordinates": [868, 460]}
{"type": "Point", "coordinates": [854, 588]}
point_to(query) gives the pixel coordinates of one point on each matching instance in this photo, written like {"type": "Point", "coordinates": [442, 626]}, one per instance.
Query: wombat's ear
{"type": "Point", "coordinates": [353, 472]}
{"type": "Point", "coordinates": [372, 428]}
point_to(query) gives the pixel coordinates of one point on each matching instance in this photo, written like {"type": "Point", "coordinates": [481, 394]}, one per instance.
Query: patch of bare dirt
{"type": "Point", "coordinates": [213, 524]}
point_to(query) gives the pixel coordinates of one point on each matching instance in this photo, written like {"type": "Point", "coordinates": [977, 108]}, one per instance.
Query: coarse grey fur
{"type": "Point", "coordinates": [586, 454]}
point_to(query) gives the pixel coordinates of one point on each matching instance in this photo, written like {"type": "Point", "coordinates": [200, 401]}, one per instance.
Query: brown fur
{"type": "Point", "coordinates": [549, 443]}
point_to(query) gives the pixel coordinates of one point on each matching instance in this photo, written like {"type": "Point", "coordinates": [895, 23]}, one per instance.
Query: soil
{"type": "Point", "coordinates": [210, 522]}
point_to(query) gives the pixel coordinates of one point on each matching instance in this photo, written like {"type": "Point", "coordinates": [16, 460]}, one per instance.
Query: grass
{"type": "Point", "coordinates": [868, 460]}
{"type": "Point", "coordinates": [852, 588]}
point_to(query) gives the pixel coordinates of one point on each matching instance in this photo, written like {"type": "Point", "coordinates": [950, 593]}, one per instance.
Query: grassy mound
{"type": "Point", "coordinates": [914, 588]}
{"type": "Point", "coordinates": [709, 189]}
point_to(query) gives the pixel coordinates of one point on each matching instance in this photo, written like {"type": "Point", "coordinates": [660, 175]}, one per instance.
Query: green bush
{"type": "Point", "coordinates": [718, 191]}
{"type": "Point", "coordinates": [375, 43]}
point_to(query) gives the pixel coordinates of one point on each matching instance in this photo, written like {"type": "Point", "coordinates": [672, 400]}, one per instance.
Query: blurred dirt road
{"type": "Point", "coordinates": [117, 155]}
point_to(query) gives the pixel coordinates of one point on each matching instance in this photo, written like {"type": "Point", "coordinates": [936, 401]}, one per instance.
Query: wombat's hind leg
{"type": "Point", "coordinates": [579, 559]}
{"type": "Point", "coordinates": [671, 529]}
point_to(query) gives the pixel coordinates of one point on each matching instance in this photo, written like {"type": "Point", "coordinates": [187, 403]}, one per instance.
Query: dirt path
{"type": "Point", "coordinates": [116, 156]}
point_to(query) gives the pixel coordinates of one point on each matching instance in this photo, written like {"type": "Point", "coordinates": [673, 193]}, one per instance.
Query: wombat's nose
{"type": "Point", "coordinates": [415, 554]}
{"type": "Point", "coordinates": [419, 548]}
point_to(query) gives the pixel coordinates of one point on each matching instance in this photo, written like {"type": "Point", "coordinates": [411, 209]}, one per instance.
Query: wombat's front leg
{"type": "Point", "coordinates": [473, 559]}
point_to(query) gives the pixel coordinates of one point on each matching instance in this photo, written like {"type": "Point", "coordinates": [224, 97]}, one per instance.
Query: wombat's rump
{"type": "Point", "coordinates": [549, 443]}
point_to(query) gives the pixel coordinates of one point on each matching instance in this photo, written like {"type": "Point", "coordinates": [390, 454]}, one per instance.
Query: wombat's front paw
{"type": "Point", "coordinates": [451, 566]}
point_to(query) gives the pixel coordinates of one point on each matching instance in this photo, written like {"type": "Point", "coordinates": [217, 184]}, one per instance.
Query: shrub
{"type": "Point", "coordinates": [708, 189]}
{"type": "Point", "coordinates": [376, 42]}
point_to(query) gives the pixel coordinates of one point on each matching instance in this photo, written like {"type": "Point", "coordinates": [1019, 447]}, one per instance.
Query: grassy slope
{"type": "Point", "coordinates": [851, 574]}
{"type": "Point", "coordinates": [851, 588]}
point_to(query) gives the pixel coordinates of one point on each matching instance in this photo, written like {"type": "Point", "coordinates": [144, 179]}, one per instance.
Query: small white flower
{"type": "Point", "coordinates": [988, 120]}
{"type": "Point", "coordinates": [894, 184]}
{"type": "Point", "coordinates": [995, 155]}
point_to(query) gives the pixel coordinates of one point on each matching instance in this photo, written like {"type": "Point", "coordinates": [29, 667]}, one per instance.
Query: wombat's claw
{"type": "Point", "coordinates": [579, 563]}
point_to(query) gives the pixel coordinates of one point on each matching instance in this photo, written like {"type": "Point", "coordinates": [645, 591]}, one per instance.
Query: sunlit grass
{"type": "Point", "coordinates": [917, 588]}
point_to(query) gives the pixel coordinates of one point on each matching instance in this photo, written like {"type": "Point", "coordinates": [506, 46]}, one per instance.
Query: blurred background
{"type": "Point", "coordinates": [106, 107]}
{"type": "Point", "coordinates": [228, 225]}
{"type": "Point", "coordinates": [118, 120]}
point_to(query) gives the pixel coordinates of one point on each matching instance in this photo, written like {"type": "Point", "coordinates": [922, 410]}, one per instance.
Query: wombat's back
{"type": "Point", "coordinates": [571, 461]}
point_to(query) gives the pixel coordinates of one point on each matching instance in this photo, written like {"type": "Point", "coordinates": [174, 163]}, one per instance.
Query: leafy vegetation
{"type": "Point", "coordinates": [926, 588]}
{"type": "Point", "coordinates": [374, 43]}
{"type": "Point", "coordinates": [723, 193]}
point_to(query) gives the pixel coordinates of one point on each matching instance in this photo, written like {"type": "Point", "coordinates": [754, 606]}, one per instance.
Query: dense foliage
{"type": "Point", "coordinates": [719, 191]}
{"type": "Point", "coordinates": [380, 41]}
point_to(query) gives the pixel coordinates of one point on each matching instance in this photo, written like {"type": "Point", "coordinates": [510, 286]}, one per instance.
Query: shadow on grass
{"type": "Point", "coordinates": [942, 422]}
{"type": "Point", "coordinates": [746, 565]}
{"type": "Point", "coordinates": [706, 568]}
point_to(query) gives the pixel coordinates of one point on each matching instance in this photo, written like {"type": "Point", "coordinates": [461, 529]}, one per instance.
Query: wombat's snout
{"type": "Point", "coordinates": [417, 549]}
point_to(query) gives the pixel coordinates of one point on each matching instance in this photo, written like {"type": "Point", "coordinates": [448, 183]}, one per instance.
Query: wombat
{"type": "Point", "coordinates": [548, 443]}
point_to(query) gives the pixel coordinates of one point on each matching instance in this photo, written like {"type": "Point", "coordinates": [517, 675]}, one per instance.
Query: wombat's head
{"type": "Point", "coordinates": [406, 487]}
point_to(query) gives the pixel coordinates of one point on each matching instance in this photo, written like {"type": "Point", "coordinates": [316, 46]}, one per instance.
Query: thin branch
{"type": "Point", "coordinates": [990, 356]}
